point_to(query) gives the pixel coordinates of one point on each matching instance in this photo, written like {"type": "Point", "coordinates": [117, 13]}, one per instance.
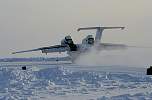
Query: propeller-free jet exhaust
{"type": "Point", "coordinates": [74, 50]}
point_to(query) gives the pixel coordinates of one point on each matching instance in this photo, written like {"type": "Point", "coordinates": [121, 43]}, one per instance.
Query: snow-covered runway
{"type": "Point", "coordinates": [73, 82]}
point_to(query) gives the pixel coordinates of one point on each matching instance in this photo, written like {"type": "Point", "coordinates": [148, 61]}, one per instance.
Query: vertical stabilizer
{"type": "Point", "coordinates": [99, 31]}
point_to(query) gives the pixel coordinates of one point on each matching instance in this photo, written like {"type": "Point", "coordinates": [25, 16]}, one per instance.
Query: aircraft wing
{"type": "Point", "coordinates": [110, 46]}
{"type": "Point", "coordinates": [50, 49]}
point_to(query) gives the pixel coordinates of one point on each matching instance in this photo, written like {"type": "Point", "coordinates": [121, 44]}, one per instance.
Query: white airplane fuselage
{"type": "Point", "coordinates": [75, 50]}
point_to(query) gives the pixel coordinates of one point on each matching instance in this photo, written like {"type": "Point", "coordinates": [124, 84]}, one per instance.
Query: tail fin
{"type": "Point", "coordinates": [99, 31]}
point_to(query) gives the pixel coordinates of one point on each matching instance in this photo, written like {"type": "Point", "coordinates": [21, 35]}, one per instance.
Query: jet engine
{"type": "Point", "coordinates": [67, 41]}
{"type": "Point", "coordinates": [88, 40]}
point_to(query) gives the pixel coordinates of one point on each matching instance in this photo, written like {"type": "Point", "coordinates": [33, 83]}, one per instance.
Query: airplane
{"type": "Point", "coordinates": [75, 50]}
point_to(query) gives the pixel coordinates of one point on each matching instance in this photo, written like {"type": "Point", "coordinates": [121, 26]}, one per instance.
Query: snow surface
{"type": "Point", "coordinates": [73, 82]}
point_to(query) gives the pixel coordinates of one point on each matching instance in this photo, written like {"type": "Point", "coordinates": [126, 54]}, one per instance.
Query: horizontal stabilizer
{"type": "Point", "coordinates": [90, 28]}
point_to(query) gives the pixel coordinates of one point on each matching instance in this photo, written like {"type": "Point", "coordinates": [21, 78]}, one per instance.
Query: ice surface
{"type": "Point", "coordinates": [62, 82]}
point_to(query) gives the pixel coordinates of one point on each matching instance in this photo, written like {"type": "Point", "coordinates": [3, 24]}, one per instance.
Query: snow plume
{"type": "Point", "coordinates": [135, 57]}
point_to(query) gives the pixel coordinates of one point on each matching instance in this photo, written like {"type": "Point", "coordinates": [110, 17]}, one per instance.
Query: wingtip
{"type": "Point", "coordinates": [123, 28]}
{"type": "Point", "coordinates": [78, 29]}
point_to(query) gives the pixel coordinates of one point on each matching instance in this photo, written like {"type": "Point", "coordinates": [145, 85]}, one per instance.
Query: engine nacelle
{"type": "Point", "coordinates": [67, 41]}
{"type": "Point", "coordinates": [88, 40]}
